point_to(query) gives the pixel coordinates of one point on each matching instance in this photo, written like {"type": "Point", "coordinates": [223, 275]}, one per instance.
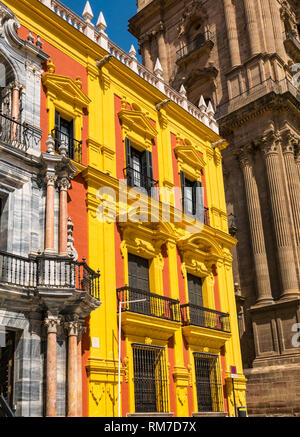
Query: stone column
{"type": "Point", "coordinates": [64, 185]}
{"type": "Point", "coordinates": [51, 322]}
{"type": "Point", "coordinates": [271, 146]}
{"type": "Point", "coordinates": [232, 35]}
{"type": "Point", "coordinates": [264, 293]}
{"type": "Point", "coordinates": [147, 53]}
{"type": "Point", "coordinates": [15, 107]}
{"type": "Point", "coordinates": [298, 159]}
{"type": "Point", "coordinates": [277, 28]}
{"type": "Point", "coordinates": [250, 11]}
{"type": "Point", "coordinates": [162, 51]}
{"type": "Point", "coordinates": [49, 240]}
{"type": "Point", "coordinates": [268, 26]}
{"type": "Point", "coordinates": [72, 330]}
{"type": "Point", "coordinates": [288, 141]}
{"type": "Point", "coordinates": [79, 370]}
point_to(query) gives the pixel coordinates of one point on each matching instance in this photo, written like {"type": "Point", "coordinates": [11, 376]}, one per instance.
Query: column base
{"type": "Point", "coordinates": [263, 302]}
{"type": "Point", "coordinates": [290, 294]}
{"type": "Point", "coordinates": [51, 252]}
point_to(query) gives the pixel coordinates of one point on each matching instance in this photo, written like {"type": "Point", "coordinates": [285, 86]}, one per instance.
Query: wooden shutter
{"type": "Point", "coordinates": [198, 201]}
{"type": "Point", "coordinates": [182, 181]}
{"type": "Point", "coordinates": [195, 290]}
{"type": "Point", "coordinates": [129, 173]}
{"type": "Point", "coordinates": [147, 171]}
{"type": "Point", "coordinates": [57, 129]}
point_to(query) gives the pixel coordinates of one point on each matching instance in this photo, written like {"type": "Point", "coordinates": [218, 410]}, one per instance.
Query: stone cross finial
{"type": "Point", "coordinates": [63, 149]}
{"type": "Point", "coordinates": [202, 105]}
{"type": "Point", "coordinates": [182, 91]}
{"type": "Point", "coordinates": [158, 70]}
{"type": "Point", "coordinates": [101, 23]}
{"type": "Point", "coordinates": [50, 145]}
{"type": "Point", "coordinates": [88, 13]}
{"type": "Point", "coordinates": [132, 51]}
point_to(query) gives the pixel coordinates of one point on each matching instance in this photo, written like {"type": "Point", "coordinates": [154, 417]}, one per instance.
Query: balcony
{"type": "Point", "coordinates": [292, 44]}
{"type": "Point", "coordinates": [205, 327]}
{"type": "Point", "coordinates": [154, 304]}
{"type": "Point", "coordinates": [74, 147]}
{"type": "Point", "coordinates": [204, 317]}
{"type": "Point", "coordinates": [204, 40]}
{"type": "Point", "coordinates": [47, 272]}
{"type": "Point", "coordinates": [18, 135]}
{"type": "Point", "coordinates": [141, 181]}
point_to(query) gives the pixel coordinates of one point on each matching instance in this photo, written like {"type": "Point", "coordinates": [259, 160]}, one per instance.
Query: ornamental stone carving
{"type": "Point", "coordinates": [270, 143]}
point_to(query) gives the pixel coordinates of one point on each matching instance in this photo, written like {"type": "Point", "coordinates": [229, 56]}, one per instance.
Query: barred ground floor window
{"type": "Point", "coordinates": [208, 382]}
{"type": "Point", "coordinates": [150, 379]}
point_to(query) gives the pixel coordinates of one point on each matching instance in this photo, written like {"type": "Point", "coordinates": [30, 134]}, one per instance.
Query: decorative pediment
{"type": "Point", "coordinates": [137, 126]}
{"type": "Point", "coordinates": [198, 249]}
{"type": "Point", "coordinates": [66, 89]}
{"type": "Point", "coordinates": [187, 154]}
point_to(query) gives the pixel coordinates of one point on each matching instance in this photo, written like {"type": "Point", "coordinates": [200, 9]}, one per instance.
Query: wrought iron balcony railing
{"type": "Point", "coordinates": [154, 304]}
{"type": "Point", "coordinates": [50, 272]}
{"type": "Point", "coordinates": [140, 180]}
{"type": "Point", "coordinates": [202, 39]}
{"type": "Point", "coordinates": [204, 317]}
{"type": "Point", "coordinates": [19, 135]}
{"type": "Point", "coordinates": [74, 147]}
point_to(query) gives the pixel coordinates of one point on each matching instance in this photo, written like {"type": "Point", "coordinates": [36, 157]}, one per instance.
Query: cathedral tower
{"type": "Point", "coordinates": [243, 58]}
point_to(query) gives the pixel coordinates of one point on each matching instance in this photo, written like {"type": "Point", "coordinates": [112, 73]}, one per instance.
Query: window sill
{"type": "Point", "coordinates": [210, 414]}
{"type": "Point", "coordinates": [149, 414]}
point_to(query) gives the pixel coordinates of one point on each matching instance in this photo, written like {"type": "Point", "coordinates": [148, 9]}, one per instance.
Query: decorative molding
{"type": "Point", "coordinates": [64, 88]}
{"type": "Point", "coordinates": [137, 126]}
{"type": "Point", "coordinates": [97, 391]}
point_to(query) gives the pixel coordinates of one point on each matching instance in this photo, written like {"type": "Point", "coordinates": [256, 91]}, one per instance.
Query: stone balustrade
{"type": "Point", "coordinates": [98, 35]}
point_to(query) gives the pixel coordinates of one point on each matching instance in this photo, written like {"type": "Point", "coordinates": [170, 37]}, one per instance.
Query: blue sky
{"type": "Point", "coordinates": [116, 13]}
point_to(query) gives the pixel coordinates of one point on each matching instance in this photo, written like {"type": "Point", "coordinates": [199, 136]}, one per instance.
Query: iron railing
{"type": "Point", "coordinates": [204, 317]}
{"type": "Point", "coordinates": [150, 379]}
{"type": "Point", "coordinates": [200, 41]}
{"type": "Point", "coordinates": [17, 134]}
{"type": "Point", "coordinates": [208, 382]}
{"type": "Point", "coordinates": [5, 410]}
{"type": "Point", "coordinates": [74, 147]}
{"type": "Point", "coordinates": [17, 270]}
{"type": "Point", "coordinates": [140, 180]}
{"type": "Point", "coordinates": [154, 304]}
{"type": "Point", "coordinates": [50, 272]}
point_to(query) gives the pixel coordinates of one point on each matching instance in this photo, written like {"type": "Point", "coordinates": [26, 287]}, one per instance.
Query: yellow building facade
{"type": "Point", "coordinates": [149, 156]}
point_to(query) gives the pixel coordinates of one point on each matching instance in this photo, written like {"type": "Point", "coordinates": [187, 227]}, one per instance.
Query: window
{"type": "Point", "coordinates": [139, 288]}
{"type": "Point", "coordinates": [192, 197]}
{"type": "Point", "coordinates": [150, 379]}
{"type": "Point", "coordinates": [3, 223]}
{"type": "Point", "coordinates": [64, 132]}
{"type": "Point", "coordinates": [7, 348]}
{"type": "Point", "coordinates": [208, 382]}
{"type": "Point", "coordinates": [139, 169]}
{"type": "Point", "coordinates": [197, 315]}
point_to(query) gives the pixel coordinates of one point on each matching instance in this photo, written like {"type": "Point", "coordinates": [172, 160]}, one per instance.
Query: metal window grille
{"type": "Point", "coordinates": [208, 382]}
{"type": "Point", "coordinates": [150, 379]}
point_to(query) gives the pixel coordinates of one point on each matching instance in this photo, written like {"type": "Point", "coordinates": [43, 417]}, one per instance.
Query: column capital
{"type": "Point", "coordinates": [244, 156]}
{"type": "Point", "coordinates": [52, 322]}
{"type": "Point", "coordinates": [50, 179]}
{"type": "Point", "coordinates": [72, 325]}
{"type": "Point", "coordinates": [289, 142]}
{"type": "Point", "coordinates": [64, 184]}
{"type": "Point", "coordinates": [270, 143]}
